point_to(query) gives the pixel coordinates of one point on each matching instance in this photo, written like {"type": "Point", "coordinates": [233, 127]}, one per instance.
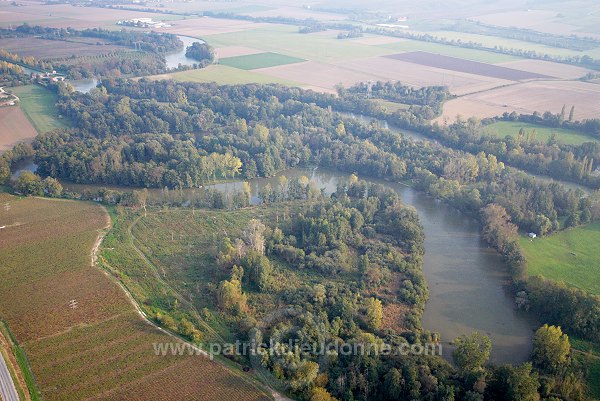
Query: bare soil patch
{"type": "Point", "coordinates": [557, 70]}
{"type": "Point", "coordinates": [14, 128]}
{"type": "Point", "coordinates": [466, 66]}
{"type": "Point", "coordinates": [528, 97]}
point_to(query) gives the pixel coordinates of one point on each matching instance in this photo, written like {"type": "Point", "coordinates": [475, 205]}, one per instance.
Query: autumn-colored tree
{"type": "Point", "coordinates": [374, 314]}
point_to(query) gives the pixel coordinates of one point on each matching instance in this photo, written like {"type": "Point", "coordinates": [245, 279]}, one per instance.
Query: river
{"type": "Point", "coordinates": [176, 58]}
{"type": "Point", "coordinates": [469, 287]}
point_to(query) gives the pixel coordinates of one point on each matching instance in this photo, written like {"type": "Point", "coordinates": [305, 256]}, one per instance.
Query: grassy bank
{"type": "Point", "coordinates": [542, 133]}
{"type": "Point", "coordinates": [570, 256]}
{"type": "Point", "coordinates": [39, 105]}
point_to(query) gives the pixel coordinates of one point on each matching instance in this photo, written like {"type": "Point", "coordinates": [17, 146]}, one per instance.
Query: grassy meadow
{"type": "Point", "coordinates": [570, 256]}
{"type": "Point", "coordinates": [589, 353]}
{"type": "Point", "coordinates": [542, 133]}
{"type": "Point", "coordinates": [225, 75]}
{"type": "Point", "coordinates": [260, 60]}
{"type": "Point", "coordinates": [39, 105]}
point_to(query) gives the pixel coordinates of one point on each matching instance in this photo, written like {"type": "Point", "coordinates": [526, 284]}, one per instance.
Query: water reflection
{"type": "Point", "coordinates": [176, 58]}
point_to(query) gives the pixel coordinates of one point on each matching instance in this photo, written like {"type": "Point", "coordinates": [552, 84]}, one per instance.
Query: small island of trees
{"type": "Point", "coordinates": [202, 52]}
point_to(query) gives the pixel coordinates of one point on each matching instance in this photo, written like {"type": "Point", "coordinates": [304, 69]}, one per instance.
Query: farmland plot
{"type": "Point", "coordinates": [466, 66]}
{"type": "Point", "coordinates": [83, 338]}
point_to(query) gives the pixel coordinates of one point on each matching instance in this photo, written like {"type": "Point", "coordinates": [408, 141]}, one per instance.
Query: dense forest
{"type": "Point", "coordinates": [175, 135]}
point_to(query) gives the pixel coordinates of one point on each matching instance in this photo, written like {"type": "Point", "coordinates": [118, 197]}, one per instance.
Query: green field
{"type": "Point", "coordinates": [589, 353]}
{"type": "Point", "coordinates": [390, 107]}
{"type": "Point", "coordinates": [570, 256]}
{"type": "Point", "coordinates": [39, 105]}
{"type": "Point", "coordinates": [447, 50]}
{"type": "Point", "coordinates": [542, 133]}
{"type": "Point", "coordinates": [225, 75]}
{"type": "Point", "coordinates": [260, 60]}
{"type": "Point", "coordinates": [286, 39]}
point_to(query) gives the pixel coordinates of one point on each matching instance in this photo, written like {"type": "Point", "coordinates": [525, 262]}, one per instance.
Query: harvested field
{"type": "Point", "coordinates": [198, 27]}
{"type": "Point", "coordinates": [66, 15]}
{"type": "Point", "coordinates": [326, 76]}
{"type": "Point", "coordinates": [260, 60]}
{"type": "Point", "coordinates": [51, 49]}
{"type": "Point", "coordinates": [538, 20]}
{"type": "Point", "coordinates": [466, 66]}
{"type": "Point", "coordinates": [528, 97]}
{"type": "Point", "coordinates": [557, 70]}
{"type": "Point", "coordinates": [298, 13]}
{"type": "Point", "coordinates": [377, 40]}
{"type": "Point", "coordinates": [14, 127]}
{"type": "Point", "coordinates": [318, 76]}
{"type": "Point", "coordinates": [234, 51]}
{"type": "Point", "coordinates": [102, 349]}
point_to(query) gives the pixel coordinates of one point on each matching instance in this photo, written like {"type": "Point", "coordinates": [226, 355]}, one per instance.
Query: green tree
{"type": "Point", "coordinates": [509, 383]}
{"type": "Point", "coordinates": [259, 270]}
{"type": "Point", "coordinates": [4, 171]}
{"type": "Point", "coordinates": [550, 348]}
{"type": "Point", "coordinates": [471, 352]}
{"type": "Point", "coordinates": [29, 183]}
{"type": "Point", "coordinates": [52, 187]}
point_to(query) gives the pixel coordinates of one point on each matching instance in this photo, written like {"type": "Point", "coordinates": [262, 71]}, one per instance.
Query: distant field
{"type": "Point", "coordinates": [52, 49]}
{"type": "Point", "coordinates": [466, 66]}
{"type": "Point", "coordinates": [542, 133]}
{"type": "Point", "coordinates": [14, 128]}
{"type": "Point", "coordinates": [66, 15]}
{"type": "Point", "coordinates": [259, 60]}
{"type": "Point", "coordinates": [570, 256]}
{"type": "Point", "coordinates": [39, 105]}
{"type": "Point", "coordinates": [491, 41]}
{"type": "Point", "coordinates": [102, 348]}
{"type": "Point", "coordinates": [225, 75]}
{"type": "Point", "coordinates": [447, 50]}
{"type": "Point", "coordinates": [525, 98]}
{"type": "Point", "coordinates": [286, 39]}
